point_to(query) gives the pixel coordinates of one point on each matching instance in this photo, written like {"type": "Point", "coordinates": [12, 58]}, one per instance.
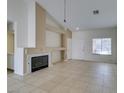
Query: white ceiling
{"type": "Point", "coordinates": [80, 13]}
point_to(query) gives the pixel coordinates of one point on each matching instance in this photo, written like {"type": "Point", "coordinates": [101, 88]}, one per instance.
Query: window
{"type": "Point", "coordinates": [102, 46]}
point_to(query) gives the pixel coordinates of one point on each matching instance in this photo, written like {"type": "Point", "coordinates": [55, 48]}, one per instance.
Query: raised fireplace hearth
{"type": "Point", "coordinates": [39, 62]}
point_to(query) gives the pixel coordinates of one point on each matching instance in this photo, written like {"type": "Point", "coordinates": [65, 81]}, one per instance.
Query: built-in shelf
{"type": "Point", "coordinates": [41, 43]}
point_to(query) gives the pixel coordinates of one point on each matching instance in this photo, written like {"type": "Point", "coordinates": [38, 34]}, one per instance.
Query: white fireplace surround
{"type": "Point", "coordinates": [35, 55]}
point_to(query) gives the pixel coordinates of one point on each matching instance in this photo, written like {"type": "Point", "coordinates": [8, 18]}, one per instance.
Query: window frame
{"type": "Point", "coordinates": [96, 53]}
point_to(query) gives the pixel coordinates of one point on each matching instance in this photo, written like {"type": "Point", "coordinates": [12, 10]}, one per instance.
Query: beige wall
{"type": "Point", "coordinates": [56, 56]}
{"type": "Point", "coordinates": [69, 33]}
{"type": "Point", "coordinates": [10, 42]}
{"type": "Point", "coordinates": [10, 61]}
{"type": "Point", "coordinates": [48, 37]}
{"type": "Point", "coordinates": [53, 39]}
{"type": "Point", "coordinates": [52, 22]}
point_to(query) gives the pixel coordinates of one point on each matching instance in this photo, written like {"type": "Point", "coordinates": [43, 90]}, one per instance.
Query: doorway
{"type": "Point", "coordinates": [10, 47]}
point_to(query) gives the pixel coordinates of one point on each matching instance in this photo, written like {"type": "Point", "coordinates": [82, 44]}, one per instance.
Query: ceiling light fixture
{"type": "Point", "coordinates": [64, 11]}
{"type": "Point", "coordinates": [77, 28]}
{"type": "Point", "coordinates": [65, 21]}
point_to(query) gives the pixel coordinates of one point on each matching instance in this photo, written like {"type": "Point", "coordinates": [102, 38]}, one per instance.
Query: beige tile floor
{"type": "Point", "coordinates": [67, 77]}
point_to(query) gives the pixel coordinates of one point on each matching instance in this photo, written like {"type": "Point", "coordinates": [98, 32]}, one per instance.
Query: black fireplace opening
{"type": "Point", "coordinates": [39, 62]}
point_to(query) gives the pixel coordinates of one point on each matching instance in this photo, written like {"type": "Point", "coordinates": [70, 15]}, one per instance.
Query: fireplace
{"type": "Point", "coordinates": [39, 62]}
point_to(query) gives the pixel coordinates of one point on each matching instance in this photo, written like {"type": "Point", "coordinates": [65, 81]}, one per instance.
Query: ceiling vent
{"type": "Point", "coordinates": [95, 12]}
